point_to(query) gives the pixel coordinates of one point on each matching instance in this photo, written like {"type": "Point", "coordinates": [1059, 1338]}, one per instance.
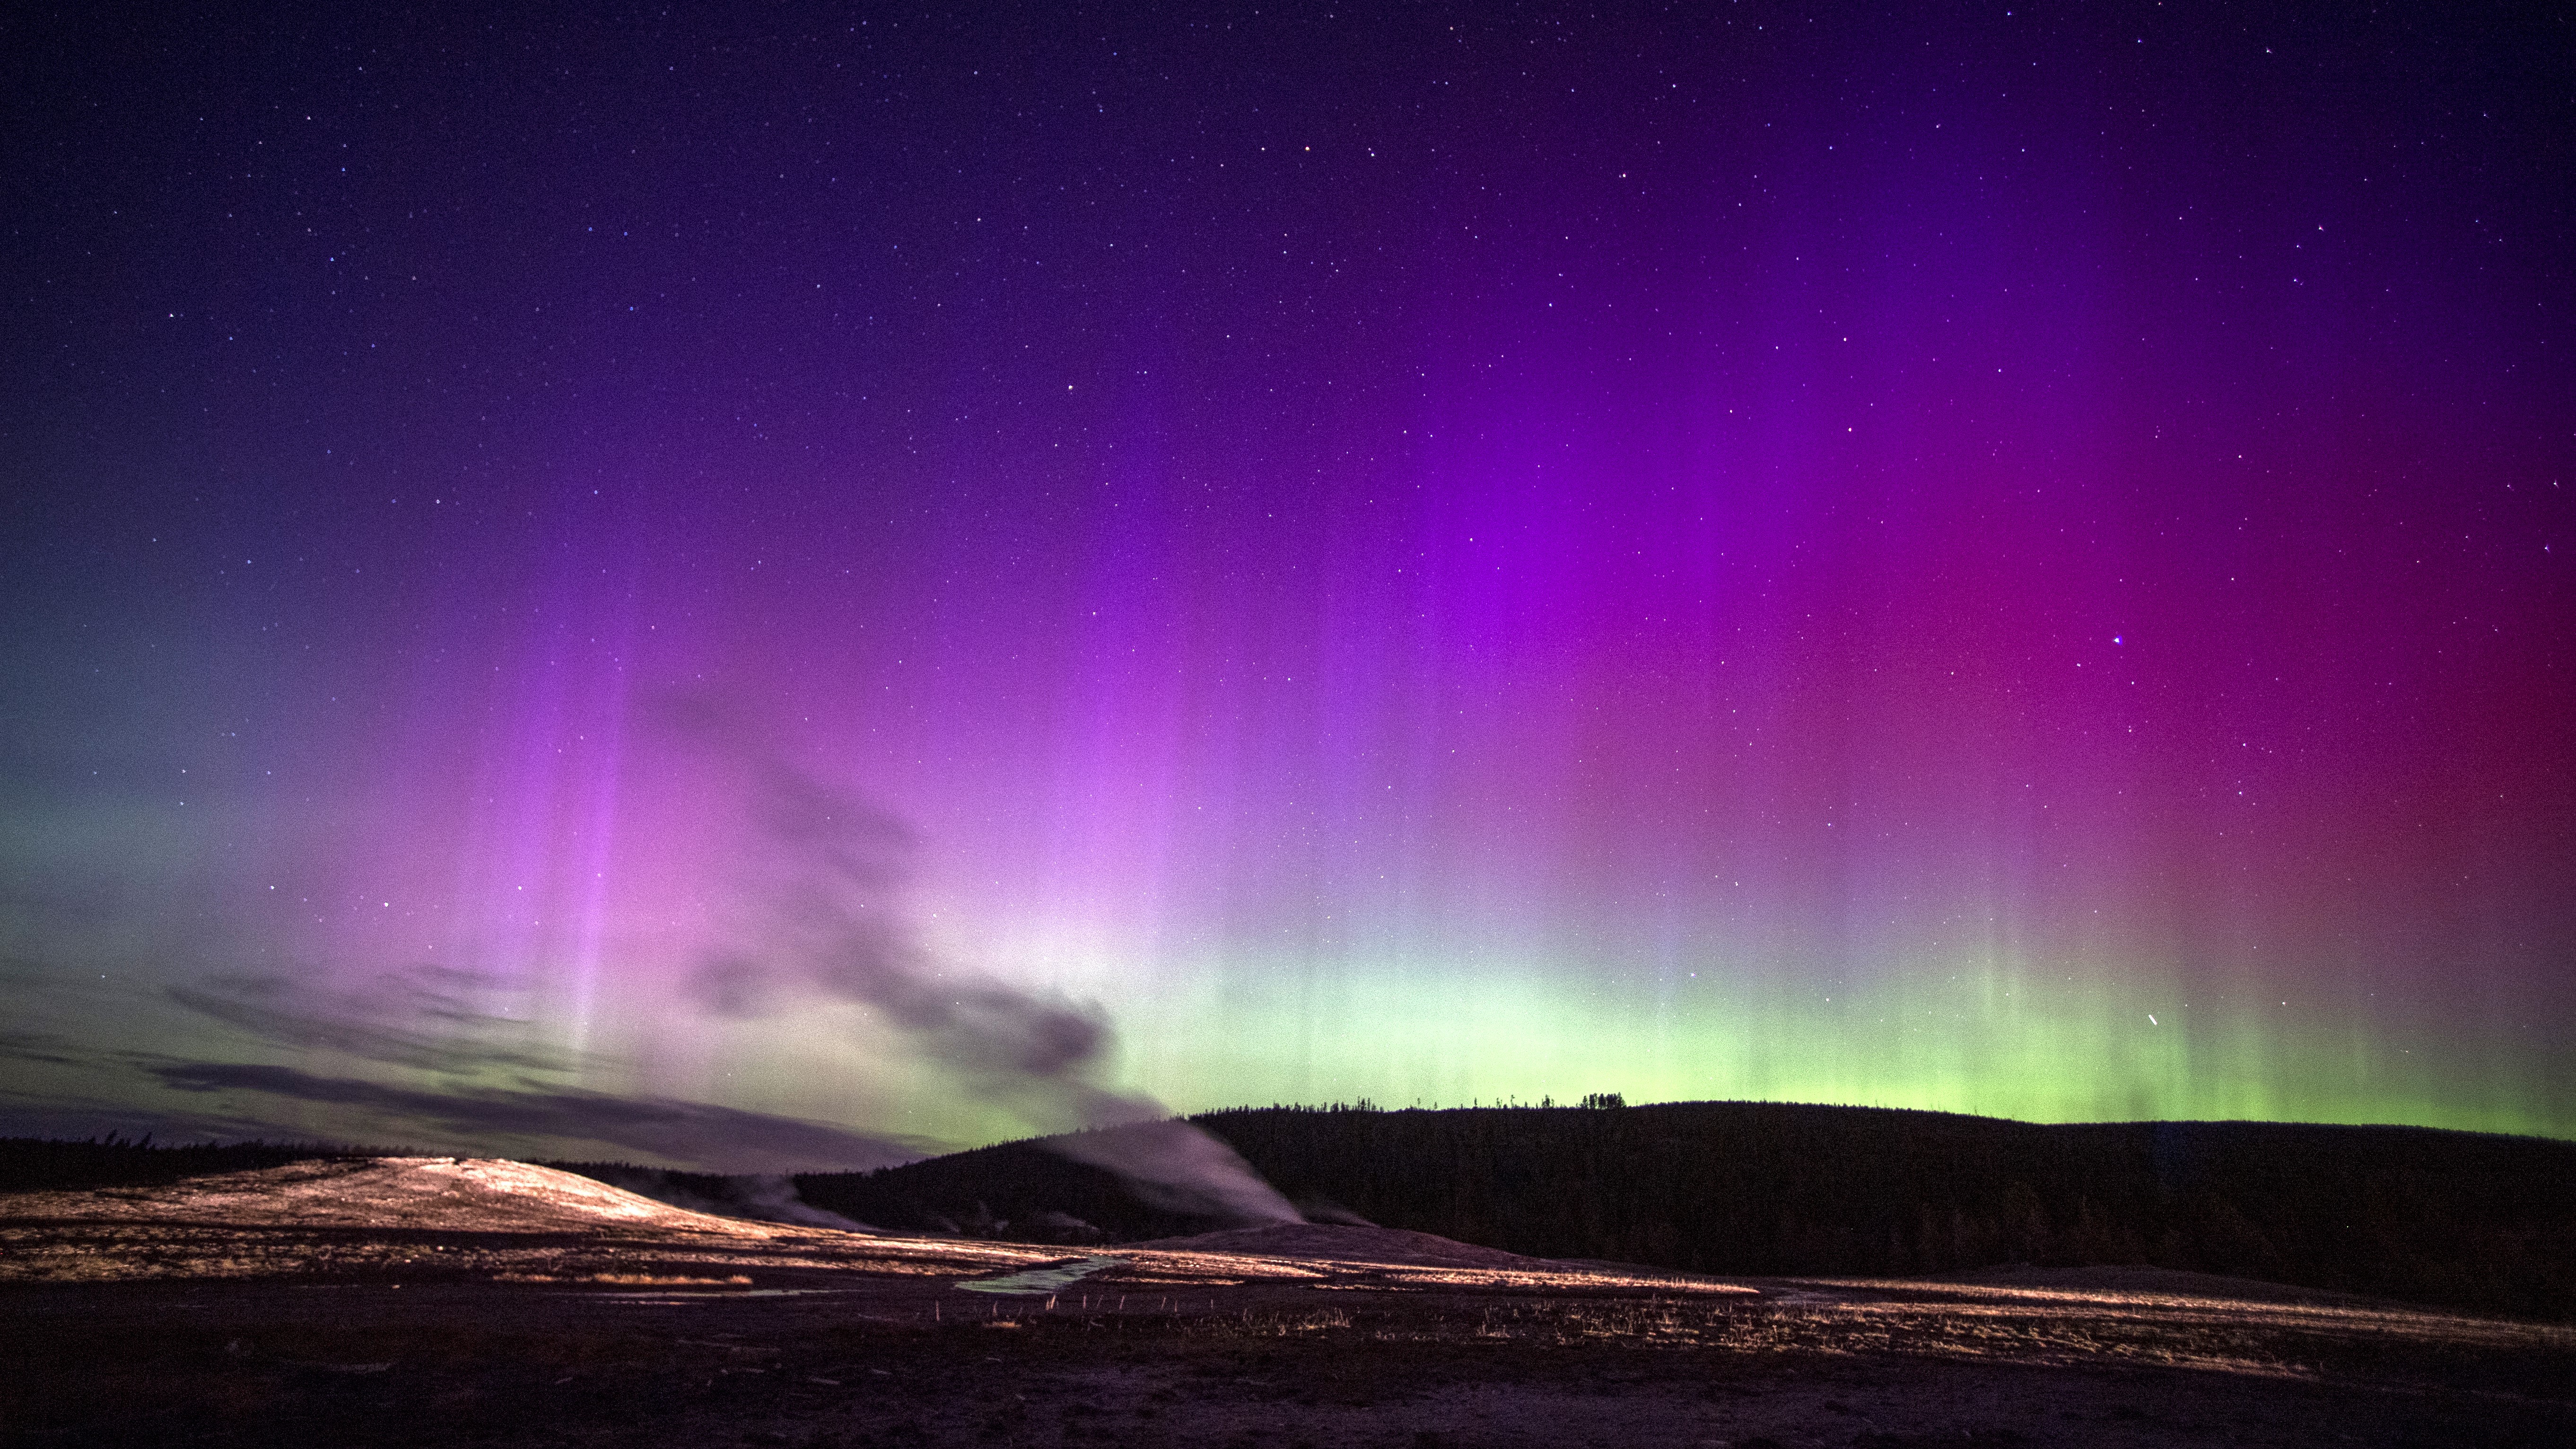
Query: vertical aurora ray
{"type": "Point", "coordinates": [2005, 564]}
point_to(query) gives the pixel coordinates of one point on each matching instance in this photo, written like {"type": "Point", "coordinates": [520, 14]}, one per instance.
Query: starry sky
{"type": "Point", "coordinates": [792, 586]}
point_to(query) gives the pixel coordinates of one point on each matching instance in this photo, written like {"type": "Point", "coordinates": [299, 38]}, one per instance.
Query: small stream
{"type": "Point", "coordinates": [1042, 1280]}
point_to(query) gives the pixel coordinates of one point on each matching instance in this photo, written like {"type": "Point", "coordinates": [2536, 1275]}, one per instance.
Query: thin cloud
{"type": "Point", "coordinates": [688, 1132]}
{"type": "Point", "coordinates": [367, 1027]}
{"type": "Point", "coordinates": [39, 1046]}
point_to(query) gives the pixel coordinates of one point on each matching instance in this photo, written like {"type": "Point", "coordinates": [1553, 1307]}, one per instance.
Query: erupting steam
{"type": "Point", "coordinates": [835, 920]}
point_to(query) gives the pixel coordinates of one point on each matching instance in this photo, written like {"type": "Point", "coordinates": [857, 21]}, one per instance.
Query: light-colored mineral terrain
{"type": "Point", "coordinates": [439, 1301]}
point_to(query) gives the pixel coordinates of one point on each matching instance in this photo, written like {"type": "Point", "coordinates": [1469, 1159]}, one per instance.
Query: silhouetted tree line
{"type": "Point", "coordinates": [43, 1164]}
{"type": "Point", "coordinates": [2458, 1218]}
{"type": "Point", "coordinates": [714, 1189]}
{"type": "Point", "coordinates": [1762, 1188]}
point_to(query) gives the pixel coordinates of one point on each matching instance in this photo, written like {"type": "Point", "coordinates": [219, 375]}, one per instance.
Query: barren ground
{"type": "Point", "coordinates": [439, 1303]}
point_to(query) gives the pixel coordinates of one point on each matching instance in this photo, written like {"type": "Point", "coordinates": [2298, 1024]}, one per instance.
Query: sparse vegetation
{"type": "Point", "coordinates": [135, 1324]}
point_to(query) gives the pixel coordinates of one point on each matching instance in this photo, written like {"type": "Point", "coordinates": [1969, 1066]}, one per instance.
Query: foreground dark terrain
{"type": "Point", "coordinates": [454, 1364]}
{"type": "Point", "coordinates": [433, 1302]}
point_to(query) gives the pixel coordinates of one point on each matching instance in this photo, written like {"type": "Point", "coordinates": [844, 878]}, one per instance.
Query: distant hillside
{"type": "Point", "coordinates": [2454, 1218]}
{"type": "Point", "coordinates": [1764, 1188]}
{"type": "Point", "coordinates": [1016, 1190]}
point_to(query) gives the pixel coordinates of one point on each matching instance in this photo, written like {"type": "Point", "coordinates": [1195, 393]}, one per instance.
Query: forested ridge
{"type": "Point", "coordinates": [2465, 1219]}
{"type": "Point", "coordinates": [1769, 1188]}
{"type": "Point", "coordinates": [38, 1164]}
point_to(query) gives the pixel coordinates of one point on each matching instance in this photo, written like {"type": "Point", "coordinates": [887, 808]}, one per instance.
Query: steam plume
{"type": "Point", "coordinates": [835, 921]}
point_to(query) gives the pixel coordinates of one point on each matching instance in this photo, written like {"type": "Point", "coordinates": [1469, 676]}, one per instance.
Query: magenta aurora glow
{"type": "Point", "coordinates": [2004, 560]}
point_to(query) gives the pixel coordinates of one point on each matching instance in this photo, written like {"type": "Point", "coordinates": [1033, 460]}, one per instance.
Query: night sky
{"type": "Point", "coordinates": [802, 585]}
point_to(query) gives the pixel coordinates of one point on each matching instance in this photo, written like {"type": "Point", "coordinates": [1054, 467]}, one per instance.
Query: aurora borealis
{"type": "Point", "coordinates": [2004, 558]}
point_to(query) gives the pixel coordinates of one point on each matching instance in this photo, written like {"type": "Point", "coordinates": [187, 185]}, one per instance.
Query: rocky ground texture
{"type": "Point", "coordinates": [431, 1302]}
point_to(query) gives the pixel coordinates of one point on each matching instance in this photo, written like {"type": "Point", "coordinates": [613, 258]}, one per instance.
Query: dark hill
{"type": "Point", "coordinates": [2456, 1218]}
{"type": "Point", "coordinates": [1016, 1190]}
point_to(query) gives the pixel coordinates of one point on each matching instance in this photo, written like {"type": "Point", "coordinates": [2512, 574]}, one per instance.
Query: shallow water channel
{"type": "Point", "coordinates": [1042, 1280]}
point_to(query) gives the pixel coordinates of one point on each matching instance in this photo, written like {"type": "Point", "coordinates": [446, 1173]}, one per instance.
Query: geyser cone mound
{"type": "Point", "coordinates": [447, 1194]}
{"type": "Point", "coordinates": [1337, 1243]}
